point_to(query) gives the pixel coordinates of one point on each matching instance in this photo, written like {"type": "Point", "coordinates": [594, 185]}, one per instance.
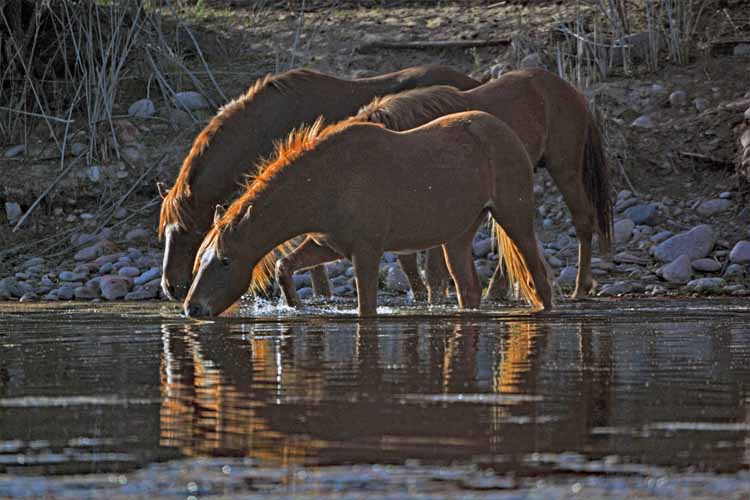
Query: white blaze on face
{"type": "Point", "coordinates": [208, 256]}
{"type": "Point", "coordinates": [168, 231]}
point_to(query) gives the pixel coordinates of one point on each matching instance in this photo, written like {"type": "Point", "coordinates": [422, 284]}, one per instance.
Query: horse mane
{"type": "Point", "coordinates": [413, 108]}
{"type": "Point", "coordinates": [174, 206]}
{"type": "Point", "coordinates": [298, 142]}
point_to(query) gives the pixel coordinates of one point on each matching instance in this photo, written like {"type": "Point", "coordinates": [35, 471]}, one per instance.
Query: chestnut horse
{"type": "Point", "coordinates": [243, 133]}
{"type": "Point", "coordinates": [552, 119]}
{"type": "Point", "coordinates": [362, 189]}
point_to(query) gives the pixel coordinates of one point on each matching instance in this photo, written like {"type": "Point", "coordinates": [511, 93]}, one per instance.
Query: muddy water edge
{"type": "Point", "coordinates": [131, 399]}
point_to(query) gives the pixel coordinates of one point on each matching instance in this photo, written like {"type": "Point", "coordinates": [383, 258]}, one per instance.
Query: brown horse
{"type": "Point", "coordinates": [362, 189]}
{"type": "Point", "coordinates": [243, 133]}
{"type": "Point", "coordinates": [552, 119]}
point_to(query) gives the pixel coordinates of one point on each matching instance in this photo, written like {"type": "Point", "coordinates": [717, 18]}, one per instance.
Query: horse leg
{"type": "Point", "coordinates": [411, 270]}
{"type": "Point", "coordinates": [307, 254]}
{"type": "Point", "coordinates": [521, 231]}
{"type": "Point", "coordinates": [499, 285]}
{"type": "Point", "coordinates": [320, 284]}
{"type": "Point", "coordinates": [437, 276]}
{"type": "Point", "coordinates": [366, 261]}
{"type": "Point", "coordinates": [461, 266]}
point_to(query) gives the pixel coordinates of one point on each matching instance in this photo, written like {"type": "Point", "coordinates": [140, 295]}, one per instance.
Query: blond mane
{"type": "Point", "coordinates": [174, 208]}
{"type": "Point", "coordinates": [413, 108]}
{"type": "Point", "coordinates": [297, 143]}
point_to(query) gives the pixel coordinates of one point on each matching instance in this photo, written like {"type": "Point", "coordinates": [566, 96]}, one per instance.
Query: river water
{"type": "Point", "coordinates": [131, 399]}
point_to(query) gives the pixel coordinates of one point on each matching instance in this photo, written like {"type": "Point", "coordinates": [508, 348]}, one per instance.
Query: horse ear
{"type": "Point", "coordinates": [162, 188]}
{"type": "Point", "coordinates": [219, 213]}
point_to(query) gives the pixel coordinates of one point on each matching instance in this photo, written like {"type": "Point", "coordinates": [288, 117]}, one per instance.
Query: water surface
{"type": "Point", "coordinates": [603, 386]}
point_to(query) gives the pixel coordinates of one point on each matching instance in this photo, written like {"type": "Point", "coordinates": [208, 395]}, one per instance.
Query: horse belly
{"type": "Point", "coordinates": [436, 209]}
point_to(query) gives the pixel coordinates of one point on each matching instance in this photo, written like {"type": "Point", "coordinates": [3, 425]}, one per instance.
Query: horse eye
{"type": "Point", "coordinates": [225, 261]}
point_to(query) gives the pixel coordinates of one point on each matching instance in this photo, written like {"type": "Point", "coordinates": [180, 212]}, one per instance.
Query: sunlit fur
{"type": "Point", "coordinates": [296, 144]}
{"type": "Point", "coordinates": [174, 206]}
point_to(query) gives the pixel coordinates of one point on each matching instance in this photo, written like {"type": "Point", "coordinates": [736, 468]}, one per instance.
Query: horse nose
{"type": "Point", "coordinates": [195, 310]}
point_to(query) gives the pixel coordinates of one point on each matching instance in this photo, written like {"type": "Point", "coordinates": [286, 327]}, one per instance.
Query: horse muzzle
{"type": "Point", "coordinates": [197, 310]}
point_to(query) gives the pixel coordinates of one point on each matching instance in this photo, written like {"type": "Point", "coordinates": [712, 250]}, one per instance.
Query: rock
{"type": "Point", "coordinates": [395, 280]}
{"type": "Point", "coordinates": [106, 259]}
{"type": "Point", "coordinates": [129, 272]}
{"type": "Point", "coordinates": [734, 271]}
{"type": "Point", "coordinates": [32, 262]}
{"type": "Point", "coordinates": [615, 289]}
{"type": "Point", "coordinates": [98, 249]}
{"type": "Point", "coordinates": [65, 292]}
{"type": "Point", "coordinates": [305, 293]}
{"type": "Point", "coordinates": [725, 195]}
{"type": "Point", "coordinates": [51, 296]}
{"type": "Point", "coordinates": [623, 230]}
{"type": "Point", "coordinates": [533, 60]}
{"type": "Point", "coordinates": [706, 284]}
{"type": "Point", "coordinates": [78, 148]}
{"type": "Point", "coordinates": [678, 271]}
{"type": "Point", "coordinates": [14, 151]}
{"type": "Point", "coordinates": [485, 269]}
{"type": "Point", "coordinates": [337, 268]}
{"type": "Point", "coordinates": [114, 287]}
{"type": "Point", "coordinates": [106, 268]}
{"type": "Point", "coordinates": [661, 236]}
{"type": "Point", "coordinates": [740, 254]}
{"type": "Point", "coordinates": [190, 100]}
{"type": "Point", "coordinates": [94, 173]}
{"type": "Point", "coordinates": [482, 247]}
{"type": "Point", "coordinates": [177, 117]}
{"type": "Point", "coordinates": [554, 261]}
{"type": "Point", "coordinates": [12, 211]}
{"type": "Point", "coordinates": [706, 265]}
{"type": "Point", "coordinates": [567, 278]}
{"type": "Point", "coordinates": [624, 195]}
{"type": "Point", "coordinates": [29, 297]}
{"type": "Point", "coordinates": [137, 234]}
{"type": "Point", "coordinates": [69, 276]}
{"type": "Point", "coordinates": [643, 214]}
{"type": "Point", "coordinates": [643, 121]}
{"type": "Point", "coordinates": [147, 276]}
{"type": "Point", "coordinates": [121, 213]}
{"type": "Point", "coordinates": [713, 207]}
{"type": "Point", "coordinates": [302, 280]}
{"type": "Point", "coordinates": [134, 153]}
{"type": "Point", "coordinates": [142, 108]}
{"type": "Point", "coordinates": [742, 49]}
{"type": "Point", "coordinates": [343, 291]}
{"type": "Point", "coordinates": [86, 293]}
{"type": "Point", "coordinates": [700, 104]}
{"type": "Point", "coordinates": [497, 70]}
{"type": "Point", "coordinates": [9, 287]}
{"type": "Point", "coordinates": [143, 293]}
{"type": "Point", "coordinates": [696, 244]}
{"type": "Point", "coordinates": [389, 258]}
{"type": "Point", "coordinates": [678, 98]}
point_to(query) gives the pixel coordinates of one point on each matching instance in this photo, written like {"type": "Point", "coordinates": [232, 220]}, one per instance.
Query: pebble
{"type": "Point", "coordinates": [706, 284]}
{"type": "Point", "coordinates": [106, 268]}
{"type": "Point", "coordinates": [661, 236]}
{"type": "Point", "coordinates": [147, 276]}
{"type": "Point", "coordinates": [740, 254]}
{"type": "Point", "coordinates": [700, 104]}
{"type": "Point", "coordinates": [143, 293]}
{"type": "Point", "coordinates": [533, 60]}
{"type": "Point", "coordinates": [734, 271]}
{"type": "Point", "coordinates": [616, 289]}
{"type": "Point", "coordinates": [10, 287]}
{"type": "Point", "coordinates": [713, 207]}
{"type": "Point", "coordinates": [305, 293]}
{"type": "Point", "coordinates": [623, 230]}
{"type": "Point", "coordinates": [129, 272]}
{"type": "Point", "coordinates": [29, 297]}
{"type": "Point", "coordinates": [12, 211]}
{"type": "Point", "coordinates": [65, 292]}
{"type": "Point", "coordinates": [678, 98]}
{"type": "Point", "coordinates": [395, 280]}
{"type": "Point", "coordinates": [114, 287]}
{"type": "Point", "coordinates": [643, 214]}
{"type": "Point", "coordinates": [86, 293]}
{"type": "Point", "coordinates": [98, 249]}
{"type": "Point", "coordinates": [696, 244]}
{"type": "Point", "coordinates": [69, 276]}
{"type": "Point", "coordinates": [190, 100]}
{"type": "Point", "coordinates": [643, 121]}
{"type": "Point", "coordinates": [482, 247]}
{"type": "Point", "coordinates": [742, 49]}
{"type": "Point", "coordinates": [337, 268]}
{"type": "Point", "coordinates": [706, 265]}
{"type": "Point", "coordinates": [142, 108]}
{"type": "Point", "coordinates": [678, 271]}
{"type": "Point", "coordinates": [302, 280]}
{"type": "Point", "coordinates": [567, 278]}
{"type": "Point", "coordinates": [16, 150]}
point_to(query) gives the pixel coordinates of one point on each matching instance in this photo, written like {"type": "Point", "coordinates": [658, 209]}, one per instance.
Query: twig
{"type": "Point", "coordinates": [46, 191]}
{"type": "Point", "coordinates": [706, 158]}
{"type": "Point", "coordinates": [37, 115]}
{"type": "Point", "coordinates": [433, 44]}
{"type": "Point", "coordinates": [297, 34]}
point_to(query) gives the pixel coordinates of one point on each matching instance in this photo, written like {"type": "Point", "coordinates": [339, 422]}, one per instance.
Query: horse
{"type": "Point", "coordinates": [558, 130]}
{"type": "Point", "coordinates": [243, 133]}
{"type": "Point", "coordinates": [361, 189]}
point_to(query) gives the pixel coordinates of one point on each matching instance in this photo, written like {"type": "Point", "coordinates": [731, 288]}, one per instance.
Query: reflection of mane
{"type": "Point", "coordinates": [174, 205]}
{"type": "Point", "coordinates": [413, 108]}
{"type": "Point", "coordinates": [516, 360]}
{"type": "Point", "coordinates": [269, 175]}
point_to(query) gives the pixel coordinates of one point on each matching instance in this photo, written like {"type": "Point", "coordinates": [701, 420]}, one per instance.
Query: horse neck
{"type": "Point", "coordinates": [300, 201]}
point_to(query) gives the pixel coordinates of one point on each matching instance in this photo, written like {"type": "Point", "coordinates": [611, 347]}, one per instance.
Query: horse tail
{"type": "Point", "coordinates": [597, 185]}
{"type": "Point", "coordinates": [515, 267]}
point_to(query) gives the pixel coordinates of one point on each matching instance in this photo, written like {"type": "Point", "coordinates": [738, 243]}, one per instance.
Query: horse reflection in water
{"type": "Point", "coordinates": [311, 395]}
